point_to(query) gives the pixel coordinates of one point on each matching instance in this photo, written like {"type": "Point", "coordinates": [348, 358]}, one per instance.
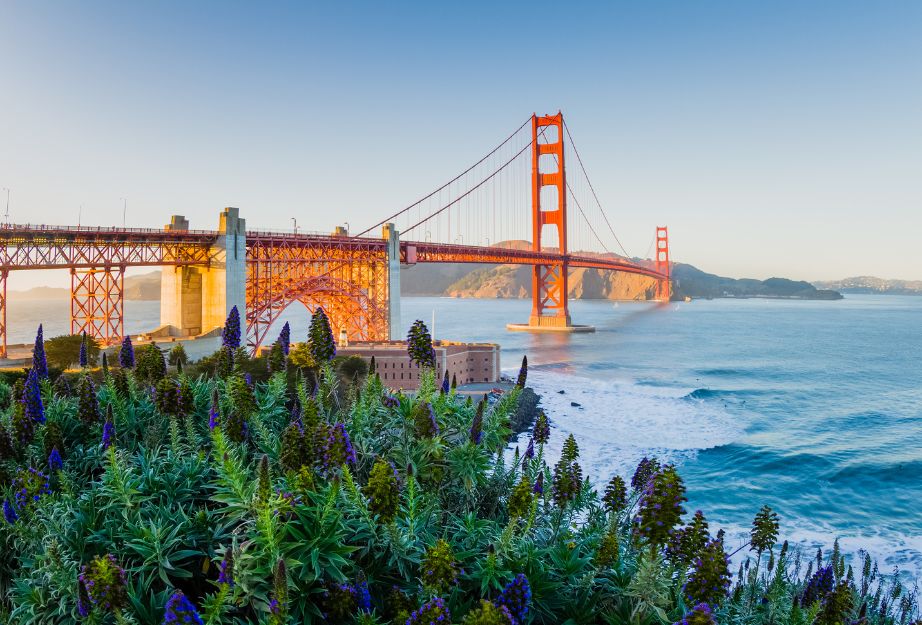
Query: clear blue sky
{"type": "Point", "coordinates": [780, 138]}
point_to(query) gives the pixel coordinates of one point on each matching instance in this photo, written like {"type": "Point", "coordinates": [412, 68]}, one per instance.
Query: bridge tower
{"type": "Point", "coordinates": [549, 283]}
{"type": "Point", "coordinates": [196, 299]}
{"type": "Point", "coordinates": [664, 287]}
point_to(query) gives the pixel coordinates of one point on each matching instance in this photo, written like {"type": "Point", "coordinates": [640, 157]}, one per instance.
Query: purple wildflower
{"type": "Point", "coordinates": [538, 488]}
{"type": "Point", "coordinates": [84, 359]}
{"type": "Point", "coordinates": [230, 335]}
{"type": "Point", "coordinates": [819, 585]}
{"type": "Point", "coordinates": [108, 435]}
{"type": "Point", "coordinates": [389, 400]}
{"type": "Point", "coordinates": [105, 582]}
{"type": "Point", "coordinates": [180, 610]}
{"type": "Point", "coordinates": [362, 596]}
{"type": "Point", "coordinates": [434, 611]}
{"type": "Point", "coordinates": [32, 398]}
{"type": "Point", "coordinates": [446, 385]}
{"type": "Point", "coordinates": [54, 460]}
{"type": "Point", "coordinates": [126, 354]}
{"type": "Point", "coordinates": [699, 615]}
{"type": "Point", "coordinates": [339, 449]}
{"type": "Point", "coordinates": [285, 338]}
{"type": "Point", "coordinates": [9, 512]}
{"type": "Point", "coordinates": [39, 362]}
{"type": "Point", "coordinates": [523, 373]}
{"type": "Point", "coordinates": [226, 568]}
{"type": "Point", "coordinates": [29, 487]}
{"type": "Point", "coordinates": [516, 596]}
{"type": "Point", "coordinates": [530, 450]}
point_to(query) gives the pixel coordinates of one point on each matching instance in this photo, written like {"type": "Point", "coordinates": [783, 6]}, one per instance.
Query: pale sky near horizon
{"type": "Point", "coordinates": [774, 139]}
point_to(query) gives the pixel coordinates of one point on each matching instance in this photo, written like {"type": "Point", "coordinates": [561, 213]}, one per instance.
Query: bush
{"type": "Point", "coordinates": [63, 352]}
{"type": "Point", "coordinates": [178, 355]}
{"type": "Point", "coordinates": [353, 510]}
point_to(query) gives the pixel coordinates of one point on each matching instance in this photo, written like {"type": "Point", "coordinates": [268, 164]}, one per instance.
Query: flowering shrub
{"type": "Point", "coordinates": [221, 500]}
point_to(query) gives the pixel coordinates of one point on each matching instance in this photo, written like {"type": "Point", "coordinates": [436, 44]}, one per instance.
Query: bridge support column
{"type": "Point", "coordinates": [196, 300]}
{"type": "Point", "coordinates": [97, 303]}
{"type": "Point", "coordinates": [4, 273]}
{"type": "Point", "coordinates": [394, 323]}
{"type": "Point", "coordinates": [181, 291]}
{"type": "Point", "coordinates": [224, 281]}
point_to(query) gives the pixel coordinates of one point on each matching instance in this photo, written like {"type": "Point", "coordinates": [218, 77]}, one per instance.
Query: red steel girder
{"type": "Point", "coordinates": [97, 303]}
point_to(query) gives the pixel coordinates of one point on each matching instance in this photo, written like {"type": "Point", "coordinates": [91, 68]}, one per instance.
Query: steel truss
{"type": "Point", "coordinates": [346, 276]}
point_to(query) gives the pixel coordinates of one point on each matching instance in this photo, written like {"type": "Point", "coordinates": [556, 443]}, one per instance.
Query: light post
{"type": "Point", "coordinates": [294, 223]}
{"type": "Point", "coordinates": [124, 212]}
{"type": "Point", "coordinates": [7, 214]}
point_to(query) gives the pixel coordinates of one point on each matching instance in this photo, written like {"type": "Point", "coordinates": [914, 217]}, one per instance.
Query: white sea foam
{"type": "Point", "coordinates": [891, 551]}
{"type": "Point", "coordinates": [617, 423]}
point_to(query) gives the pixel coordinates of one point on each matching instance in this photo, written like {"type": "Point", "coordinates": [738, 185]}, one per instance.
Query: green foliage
{"type": "Point", "coordinates": [362, 506]}
{"type": "Point", "coordinates": [150, 365]}
{"type": "Point", "coordinates": [383, 491]}
{"type": "Point", "coordinates": [320, 338]}
{"type": "Point", "coordinates": [178, 355]}
{"type": "Point", "coordinates": [63, 352]}
{"type": "Point", "coordinates": [765, 530]}
{"type": "Point", "coordinates": [439, 570]}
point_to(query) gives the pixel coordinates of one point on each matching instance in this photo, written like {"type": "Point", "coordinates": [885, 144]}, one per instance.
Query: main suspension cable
{"type": "Point", "coordinates": [591, 188]}
{"type": "Point", "coordinates": [455, 179]}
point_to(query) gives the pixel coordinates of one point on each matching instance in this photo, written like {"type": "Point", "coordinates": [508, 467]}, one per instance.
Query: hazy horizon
{"type": "Point", "coordinates": [781, 140]}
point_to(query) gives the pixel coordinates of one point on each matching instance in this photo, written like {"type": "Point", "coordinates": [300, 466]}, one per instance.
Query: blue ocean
{"type": "Point", "coordinates": [814, 408]}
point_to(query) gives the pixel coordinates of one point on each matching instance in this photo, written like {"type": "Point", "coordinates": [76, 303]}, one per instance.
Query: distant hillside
{"type": "Point", "coordinates": [693, 282]}
{"type": "Point", "coordinates": [514, 282]}
{"type": "Point", "coordinates": [141, 287]}
{"type": "Point", "coordinates": [870, 284]}
{"type": "Point", "coordinates": [510, 281]}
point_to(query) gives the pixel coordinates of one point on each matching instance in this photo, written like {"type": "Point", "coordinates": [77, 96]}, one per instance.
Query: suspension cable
{"type": "Point", "coordinates": [591, 188]}
{"type": "Point", "coordinates": [455, 179]}
{"type": "Point", "coordinates": [469, 191]}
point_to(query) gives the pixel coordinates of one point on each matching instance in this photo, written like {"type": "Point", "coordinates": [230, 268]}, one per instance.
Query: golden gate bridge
{"type": "Point", "coordinates": [513, 206]}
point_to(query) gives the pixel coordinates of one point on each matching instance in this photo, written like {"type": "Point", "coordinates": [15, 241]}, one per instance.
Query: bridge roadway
{"type": "Point", "coordinates": [206, 272]}
{"type": "Point", "coordinates": [29, 246]}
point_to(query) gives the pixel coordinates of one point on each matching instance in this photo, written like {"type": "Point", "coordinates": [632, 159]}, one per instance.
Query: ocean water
{"type": "Point", "coordinates": [814, 408]}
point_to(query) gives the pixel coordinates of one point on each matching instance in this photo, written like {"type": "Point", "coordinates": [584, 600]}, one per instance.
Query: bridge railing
{"type": "Point", "coordinates": [98, 229]}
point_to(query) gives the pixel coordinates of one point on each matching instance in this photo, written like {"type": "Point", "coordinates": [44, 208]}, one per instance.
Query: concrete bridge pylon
{"type": "Point", "coordinates": [195, 300]}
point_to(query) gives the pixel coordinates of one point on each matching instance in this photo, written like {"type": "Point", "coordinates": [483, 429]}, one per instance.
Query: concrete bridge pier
{"type": "Point", "coordinates": [196, 300]}
{"type": "Point", "coordinates": [394, 327]}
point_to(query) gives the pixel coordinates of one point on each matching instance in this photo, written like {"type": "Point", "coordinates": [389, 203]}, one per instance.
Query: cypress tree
{"type": "Point", "coordinates": [419, 345]}
{"type": "Point", "coordinates": [320, 337]}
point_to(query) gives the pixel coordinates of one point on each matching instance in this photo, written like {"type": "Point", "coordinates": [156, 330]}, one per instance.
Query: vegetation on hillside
{"type": "Point", "coordinates": [140, 494]}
